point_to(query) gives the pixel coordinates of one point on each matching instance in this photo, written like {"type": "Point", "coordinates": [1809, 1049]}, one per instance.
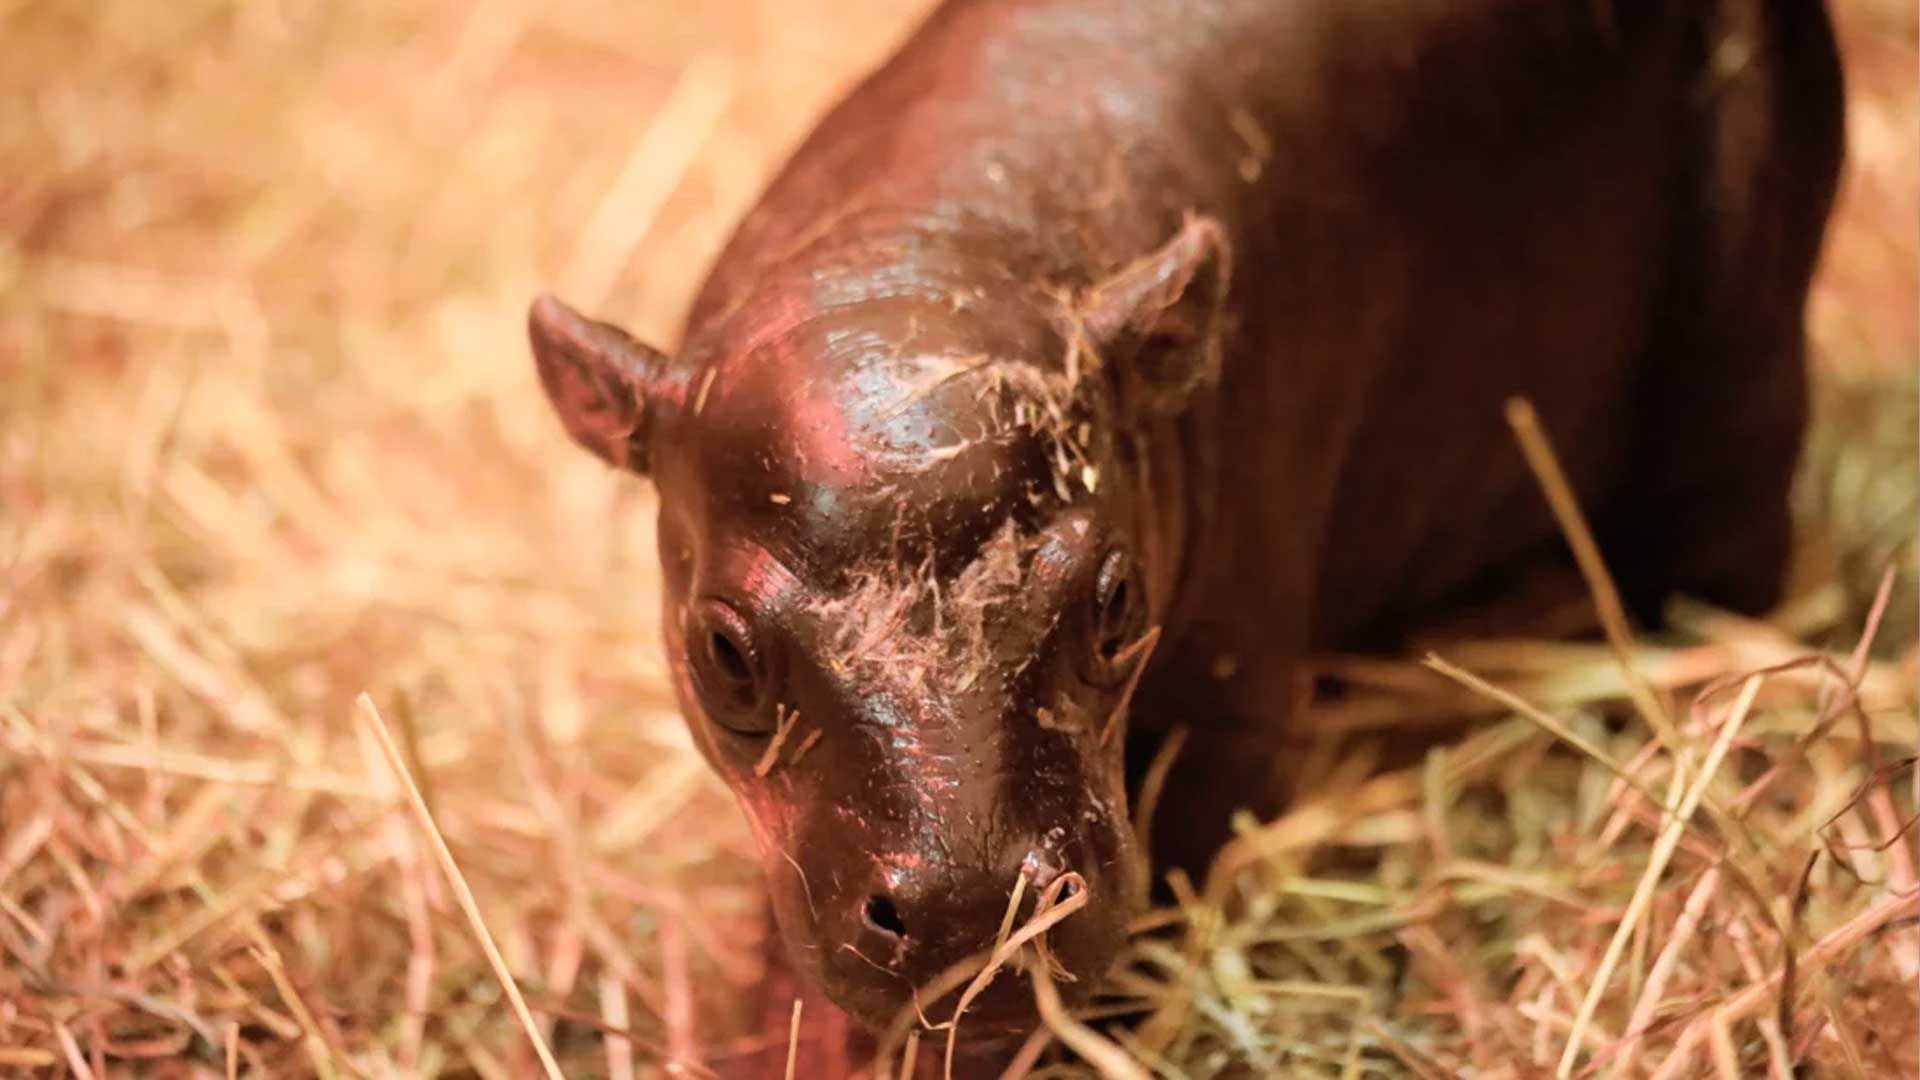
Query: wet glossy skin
{"type": "Point", "coordinates": [1227, 295]}
{"type": "Point", "coordinates": [854, 490]}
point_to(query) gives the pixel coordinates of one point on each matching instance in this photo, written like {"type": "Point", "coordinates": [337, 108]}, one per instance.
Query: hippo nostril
{"type": "Point", "coordinates": [881, 916]}
{"type": "Point", "coordinates": [1039, 867]}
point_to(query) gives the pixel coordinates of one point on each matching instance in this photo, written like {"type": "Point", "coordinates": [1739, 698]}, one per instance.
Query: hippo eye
{"type": "Point", "coordinates": [727, 669]}
{"type": "Point", "coordinates": [1119, 611]}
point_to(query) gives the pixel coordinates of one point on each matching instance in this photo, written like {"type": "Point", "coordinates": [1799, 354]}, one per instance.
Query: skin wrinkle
{"type": "Point", "coordinates": [909, 763]}
{"type": "Point", "coordinates": [957, 250]}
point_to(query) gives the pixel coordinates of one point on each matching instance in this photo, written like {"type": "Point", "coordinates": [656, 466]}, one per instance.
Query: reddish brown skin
{"type": "Point", "coordinates": [1299, 254]}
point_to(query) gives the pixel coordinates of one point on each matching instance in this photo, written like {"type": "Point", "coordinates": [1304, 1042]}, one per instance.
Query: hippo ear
{"type": "Point", "coordinates": [1159, 319]}
{"type": "Point", "coordinates": [598, 378]}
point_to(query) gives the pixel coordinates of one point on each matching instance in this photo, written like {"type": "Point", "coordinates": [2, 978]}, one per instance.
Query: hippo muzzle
{"type": "Point", "coordinates": [896, 849]}
{"type": "Point", "coordinates": [961, 757]}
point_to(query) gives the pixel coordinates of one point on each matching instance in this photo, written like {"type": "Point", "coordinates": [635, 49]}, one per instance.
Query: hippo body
{"type": "Point", "coordinates": [1091, 364]}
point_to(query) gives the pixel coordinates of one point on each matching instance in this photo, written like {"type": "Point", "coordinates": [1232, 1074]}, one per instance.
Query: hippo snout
{"type": "Point", "coordinates": [911, 920]}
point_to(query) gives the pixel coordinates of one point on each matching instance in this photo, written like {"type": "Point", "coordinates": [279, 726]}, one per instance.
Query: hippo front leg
{"type": "Point", "coordinates": [1227, 767]}
{"type": "Point", "coordinates": [1723, 397]}
{"type": "Point", "coordinates": [1236, 755]}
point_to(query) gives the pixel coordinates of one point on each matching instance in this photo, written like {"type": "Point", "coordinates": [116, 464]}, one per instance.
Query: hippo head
{"type": "Point", "coordinates": [914, 569]}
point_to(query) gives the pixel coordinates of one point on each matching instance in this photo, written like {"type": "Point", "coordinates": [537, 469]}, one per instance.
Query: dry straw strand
{"type": "Point", "coordinates": [1102, 1053]}
{"type": "Point", "coordinates": [793, 1039]}
{"type": "Point", "coordinates": [461, 891]}
{"type": "Point", "coordinates": [1680, 812]}
{"type": "Point", "coordinates": [1538, 450]}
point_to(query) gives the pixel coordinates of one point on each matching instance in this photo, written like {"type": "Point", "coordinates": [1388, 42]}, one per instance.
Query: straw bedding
{"type": "Point", "coordinates": [269, 441]}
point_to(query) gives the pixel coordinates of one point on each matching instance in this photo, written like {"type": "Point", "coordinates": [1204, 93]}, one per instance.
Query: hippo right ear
{"type": "Point", "coordinates": [599, 380]}
{"type": "Point", "coordinates": [1160, 318]}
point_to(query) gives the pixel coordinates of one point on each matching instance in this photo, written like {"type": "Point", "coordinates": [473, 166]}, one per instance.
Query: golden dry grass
{"type": "Point", "coordinates": [269, 440]}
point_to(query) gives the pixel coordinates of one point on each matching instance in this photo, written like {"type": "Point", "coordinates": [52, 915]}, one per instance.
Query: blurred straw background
{"type": "Point", "coordinates": [270, 440]}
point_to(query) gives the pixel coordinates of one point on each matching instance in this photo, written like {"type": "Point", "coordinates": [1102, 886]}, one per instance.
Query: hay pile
{"type": "Point", "coordinates": [269, 440]}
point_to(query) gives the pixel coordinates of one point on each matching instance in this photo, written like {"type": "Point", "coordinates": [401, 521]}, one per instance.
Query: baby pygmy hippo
{"type": "Point", "coordinates": [1091, 363]}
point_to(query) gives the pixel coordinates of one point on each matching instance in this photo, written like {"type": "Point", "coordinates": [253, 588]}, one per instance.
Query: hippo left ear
{"type": "Point", "coordinates": [1159, 319]}
{"type": "Point", "coordinates": [599, 380]}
